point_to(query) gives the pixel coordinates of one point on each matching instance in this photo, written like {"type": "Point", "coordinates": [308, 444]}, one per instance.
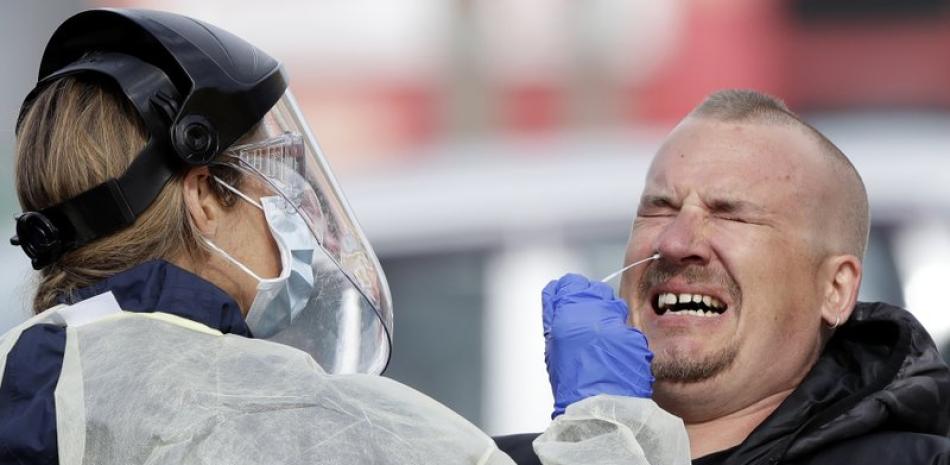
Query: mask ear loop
{"type": "Point", "coordinates": [221, 251]}
{"type": "Point", "coordinates": [242, 165]}
{"type": "Point", "coordinates": [231, 259]}
{"type": "Point", "coordinates": [248, 169]}
{"type": "Point", "coordinates": [238, 193]}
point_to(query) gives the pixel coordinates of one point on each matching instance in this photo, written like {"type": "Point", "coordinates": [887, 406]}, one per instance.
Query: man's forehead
{"type": "Point", "coordinates": [732, 160]}
{"type": "Point", "coordinates": [717, 148]}
{"type": "Point", "coordinates": [713, 143]}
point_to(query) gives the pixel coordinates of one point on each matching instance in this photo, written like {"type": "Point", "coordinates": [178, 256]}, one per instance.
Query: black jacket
{"type": "Point", "coordinates": [879, 394]}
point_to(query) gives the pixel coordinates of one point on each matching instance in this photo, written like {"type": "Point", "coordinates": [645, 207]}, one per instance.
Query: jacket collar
{"type": "Point", "coordinates": [159, 286]}
{"type": "Point", "coordinates": [880, 370]}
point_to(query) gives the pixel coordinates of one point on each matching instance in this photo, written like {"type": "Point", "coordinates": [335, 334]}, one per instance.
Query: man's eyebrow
{"type": "Point", "coordinates": [722, 205]}
{"type": "Point", "coordinates": [727, 205]}
{"type": "Point", "coordinates": [654, 200]}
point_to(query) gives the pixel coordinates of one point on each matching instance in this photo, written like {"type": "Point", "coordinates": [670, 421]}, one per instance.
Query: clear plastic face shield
{"type": "Point", "coordinates": [335, 301]}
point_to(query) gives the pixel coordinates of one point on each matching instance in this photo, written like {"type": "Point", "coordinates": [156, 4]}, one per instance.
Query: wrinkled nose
{"type": "Point", "coordinates": [683, 241]}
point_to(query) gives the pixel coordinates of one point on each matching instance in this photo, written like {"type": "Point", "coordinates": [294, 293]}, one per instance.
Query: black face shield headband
{"type": "Point", "coordinates": [196, 88]}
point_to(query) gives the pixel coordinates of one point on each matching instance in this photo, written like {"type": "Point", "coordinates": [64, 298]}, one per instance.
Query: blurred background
{"type": "Point", "coordinates": [488, 146]}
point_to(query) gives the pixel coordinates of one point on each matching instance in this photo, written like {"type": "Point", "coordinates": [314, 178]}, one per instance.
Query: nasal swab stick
{"type": "Point", "coordinates": [618, 272]}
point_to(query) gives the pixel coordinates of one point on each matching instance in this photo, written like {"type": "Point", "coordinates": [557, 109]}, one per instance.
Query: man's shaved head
{"type": "Point", "coordinates": [843, 208]}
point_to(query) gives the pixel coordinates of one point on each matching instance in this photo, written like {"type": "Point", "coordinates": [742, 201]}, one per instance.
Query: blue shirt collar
{"type": "Point", "coordinates": [159, 286]}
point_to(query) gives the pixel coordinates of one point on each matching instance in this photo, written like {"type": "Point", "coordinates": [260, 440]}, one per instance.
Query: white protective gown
{"type": "Point", "coordinates": [613, 430]}
{"type": "Point", "coordinates": [154, 388]}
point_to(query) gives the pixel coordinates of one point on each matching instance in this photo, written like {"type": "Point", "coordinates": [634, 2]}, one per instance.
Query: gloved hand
{"type": "Point", "coordinates": [589, 348]}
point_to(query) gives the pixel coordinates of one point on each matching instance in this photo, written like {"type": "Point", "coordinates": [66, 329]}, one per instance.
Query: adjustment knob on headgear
{"type": "Point", "coordinates": [38, 237]}
{"type": "Point", "coordinates": [195, 140]}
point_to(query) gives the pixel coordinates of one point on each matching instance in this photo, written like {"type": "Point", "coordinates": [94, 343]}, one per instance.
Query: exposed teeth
{"type": "Point", "coordinates": [667, 300]}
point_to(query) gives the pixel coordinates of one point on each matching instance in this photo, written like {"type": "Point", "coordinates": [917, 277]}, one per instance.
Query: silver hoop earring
{"type": "Point", "coordinates": [837, 322]}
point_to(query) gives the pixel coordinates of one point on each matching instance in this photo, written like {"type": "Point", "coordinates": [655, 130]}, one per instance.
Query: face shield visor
{"type": "Point", "coordinates": [339, 309]}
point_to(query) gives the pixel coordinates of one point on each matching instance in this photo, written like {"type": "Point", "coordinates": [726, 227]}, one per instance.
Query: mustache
{"type": "Point", "coordinates": [661, 271]}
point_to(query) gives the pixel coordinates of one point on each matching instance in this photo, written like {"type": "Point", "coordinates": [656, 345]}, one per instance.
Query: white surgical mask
{"type": "Point", "coordinates": [279, 300]}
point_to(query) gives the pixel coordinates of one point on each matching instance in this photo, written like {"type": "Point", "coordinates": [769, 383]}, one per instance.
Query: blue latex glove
{"type": "Point", "coordinates": [589, 348]}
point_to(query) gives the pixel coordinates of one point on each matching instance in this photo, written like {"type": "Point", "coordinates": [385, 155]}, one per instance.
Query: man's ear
{"type": "Point", "coordinates": [841, 278]}
{"type": "Point", "coordinates": [202, 204]}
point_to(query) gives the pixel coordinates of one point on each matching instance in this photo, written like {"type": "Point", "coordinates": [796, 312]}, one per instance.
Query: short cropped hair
{"type": "Point", "coordinates": [744, 105]}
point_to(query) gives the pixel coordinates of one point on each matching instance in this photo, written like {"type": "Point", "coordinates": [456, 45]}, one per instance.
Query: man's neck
{"type": "Point", "coordinates": [730, 430]}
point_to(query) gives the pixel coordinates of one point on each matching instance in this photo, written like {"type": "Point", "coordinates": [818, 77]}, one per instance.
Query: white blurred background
{"type": "Point", "coordinates": [488, 146]}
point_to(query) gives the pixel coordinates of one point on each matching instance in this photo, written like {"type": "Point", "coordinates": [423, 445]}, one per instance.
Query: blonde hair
{"type": "Point", "coordinates": [78, 134]}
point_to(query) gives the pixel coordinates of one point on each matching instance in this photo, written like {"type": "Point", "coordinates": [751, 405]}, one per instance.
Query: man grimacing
{"type": "Point", "coordinates": [751, 312]}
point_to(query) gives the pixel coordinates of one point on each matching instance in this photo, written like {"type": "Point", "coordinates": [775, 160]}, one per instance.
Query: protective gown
{"type": "Point", "coordinates": [110, 380]}
{"type": "Point", "coordinates": [158, 388]}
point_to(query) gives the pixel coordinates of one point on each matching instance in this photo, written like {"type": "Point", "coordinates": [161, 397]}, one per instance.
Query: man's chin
{"type": "Point", "coordinates": [673, 369]}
